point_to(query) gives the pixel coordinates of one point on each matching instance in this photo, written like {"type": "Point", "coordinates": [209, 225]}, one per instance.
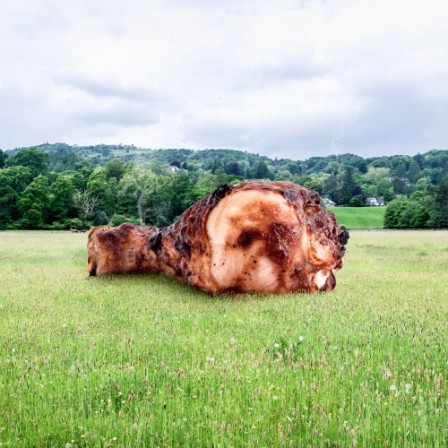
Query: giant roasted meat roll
{"type": "Point", "coordinates": [272, 237]}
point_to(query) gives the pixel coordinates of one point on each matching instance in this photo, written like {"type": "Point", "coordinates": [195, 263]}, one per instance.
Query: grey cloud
{"type": "Point", "coordinates": [119, 115]}
{"type": "Point", "coordinates": [396, 122]}
{"type": "Point", "coordinates": [217, 134]}
{"type": "Point", "coordinates": [108, 88]}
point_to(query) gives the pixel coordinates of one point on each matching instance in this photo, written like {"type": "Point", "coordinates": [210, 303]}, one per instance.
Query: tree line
{"type": "Point", "coordinates": [60, 187]}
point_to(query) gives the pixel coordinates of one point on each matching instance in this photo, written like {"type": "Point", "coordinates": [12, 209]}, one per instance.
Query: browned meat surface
{"type": "Point", "coordinates": [255, 237]}
{"type": "Point", "coordinates": [121, 250]}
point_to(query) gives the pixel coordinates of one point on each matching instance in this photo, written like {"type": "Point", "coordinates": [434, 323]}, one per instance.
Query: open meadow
{"type": "Point", "coordinates": [145, 361]}
{"type": "Point", "coordinates": [360, 217]}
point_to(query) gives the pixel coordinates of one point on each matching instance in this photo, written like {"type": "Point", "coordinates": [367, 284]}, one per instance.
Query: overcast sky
{"type": "Point", "coordinates": [286, 78]}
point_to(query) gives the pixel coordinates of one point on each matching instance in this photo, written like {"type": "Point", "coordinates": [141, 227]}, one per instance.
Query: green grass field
{"type": "Point", "coordinates": [360, 217]}
{"type": "Point", "coordinates": [144, 361]}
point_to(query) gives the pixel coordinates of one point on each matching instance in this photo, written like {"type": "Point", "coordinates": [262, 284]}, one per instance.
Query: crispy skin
{"type": "Point", "coordinates": [121, 250]}
{"type": "Point", "coordinates": [255, 237]}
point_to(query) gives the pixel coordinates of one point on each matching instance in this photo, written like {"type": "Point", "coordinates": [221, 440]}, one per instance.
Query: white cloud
{"type": "Point", "coordinates": [280, 78]}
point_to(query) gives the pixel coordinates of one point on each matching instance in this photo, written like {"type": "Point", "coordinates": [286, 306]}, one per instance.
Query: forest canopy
{"type": "Point", "coordinates": [58, 186]}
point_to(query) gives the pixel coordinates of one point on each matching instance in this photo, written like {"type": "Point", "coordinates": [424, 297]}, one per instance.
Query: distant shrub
{"type": "Point", "coordinates": [100, 218]}
{"type": "Point", "coordinates": [56, 225]}
{"type": "Point", "coordinates": [75, 223]}
{"type": "Point", "coordinates": [116, 220]}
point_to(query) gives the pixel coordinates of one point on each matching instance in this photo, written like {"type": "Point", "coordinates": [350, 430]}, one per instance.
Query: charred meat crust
{"type": "Point", "coordinates": [343, 237]}
{"type": "Point", "coordinates": [155, 242]}
{"type": "Point", "coordinates": [220, 192]}
{"type": "Point", "coordinates": [272, 237]}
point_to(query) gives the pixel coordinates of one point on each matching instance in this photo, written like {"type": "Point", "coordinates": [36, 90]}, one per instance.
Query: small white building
{"type": "Point", "coordinates": [328, 202]}
{"type": "Point", "coordinates": [375, 202]}
{"type": "Point", "coordinates": [174, 169]}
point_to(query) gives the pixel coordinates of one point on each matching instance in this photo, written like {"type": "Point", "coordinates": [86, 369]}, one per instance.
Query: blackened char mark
{"type": "Point", "coordinates": [330, 283]}
{"type": "Point", "coordinates": [247, 237]}
{"type": "Point", "coordinates": [310, 197]}
{"type": "Point", "coordinates": [343, 237]}
{"type": "Point", "coordinates": [183, 247]}
{"type": "Point", "coordinates": [290, 195]}
{"type": "Point", "coordinates": [280, 238]}
{"type": "Point", "coordinates": [218, 194]}
{"type": "Point", "coordinates": [155, 242]}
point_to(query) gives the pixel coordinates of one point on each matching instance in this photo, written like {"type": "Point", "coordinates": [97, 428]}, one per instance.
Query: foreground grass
{"type": "Point", "coordinates": [360, 217]}
{"type": "Point", "coordinates": [145, 361]}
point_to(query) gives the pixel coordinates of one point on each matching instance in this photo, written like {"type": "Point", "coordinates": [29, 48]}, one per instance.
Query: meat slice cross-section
{"type": "Point", "coordinates": [254, 237]}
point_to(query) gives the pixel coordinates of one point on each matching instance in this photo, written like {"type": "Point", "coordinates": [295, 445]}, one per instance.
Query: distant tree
{"type": "Point", "coordinates": [400, 169]}
{"type": "Point", "coordinates": [99, 189]}
{"type": "Point", "coordinates": [357, 201]}
{"type": "Point", "coordinates": [441, 199]}
{"type": "Point", "coordinates": [375, 175]}
{"type": "Point", "coordinates": [392, 215]}
{"type": "Point", "coordinates": [85, 205]}
{"type": "Point", "coordinates": [313, 183]}
{"type": "Point", "coordinates": [62, 204]}
{"type": "Point", "coordinates": [134, 193]}
{"type": "Point", "coordinates": [412, 214]}
{"type": "Point", "coordinates": [17, 177]}
{"type": "Point", "coordinates": [343, 194]}
{"type": "Point", "coordinates": [292, 167]}
{"type": "Point", "coordinates": [420, 159]}
{"type": "Point", "coordinates": [116, 220]}
{"type": "Point", "coordinates": [36, 161]}
{"type": "Point", "coordinates": [260, 170]}
{"type": "Point", "coordinates": [414, 172]}
{"type": "Point", "coordinates": [13, 181]}
{"type": "Point", "coordinates": [399, 185]}
{"type": "Point", "coordinates": [114, 168]}
{"type": "Point", "coordinates": [232, 168]}
{"type": "Point", "coordinates": [34, 203]}
{"type": "Point", "coordinates": [362, 167]}
{"type": "Point", "coordinates": [8, 205]}
{"type": "Point", "coordinates": [3, 157]}
{"type": "Point", "coordinates": [100, 218]}
{"type": "Point", "coordinates": [215, 165]}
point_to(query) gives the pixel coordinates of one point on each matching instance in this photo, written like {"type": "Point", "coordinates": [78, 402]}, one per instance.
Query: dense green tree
{"type": "Point", "coordinates": [357, 201]}
{"type": "Point", "coordinates": [13, 181]}
{"type": "Point", "coordinates": [89, 193]}
{"type": "Point", "coordinates": [232, 168]}
{"type": "Point", "coordinates": [215, 165]}
{"type": "Point", "coordinates": [78, 179]}
{"type": "Point", "coordinates": [36, 161]}
{"type": "Point", "coordinates": [420, 159]}
{"type": "Point", "coordinates": [260, 170]}
{"type": "Point", "coordinates": [134, 193]}
{"type": "Point", "coordinates": [8, 205]}
{"type": "Point", "coordinates": [414, 172]}
{"type": "Point", "coordinates": [344, 193]}
{"type": "Point", "coordinates": [399, 185]}
{"type": "Point", "coordinates": [62, 202]}
{"type": "Point", "coordinates": [114, 168]}
{"type": "Point", "coordinates": [412, 214]}
{"type": "Point", "coordinates": [100, 190]}
{"type": "Point", "coordinates": [3, 157]}
{"type": "Point", "coordinates": [313, 183]}
{"type": "Point", "coordinates": [441, 200]}
{"type": "Point", "coordinates": [292, 167]}
{"type": "Point", "coordinates": [392, 215]}
{"type": "Point", "coordinates": [100, 218]}
{"type": "Point", "coordinates": [34, 203]}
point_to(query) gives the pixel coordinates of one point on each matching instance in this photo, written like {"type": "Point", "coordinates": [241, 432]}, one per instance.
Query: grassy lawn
{"type": "Point", "coordinates": [145, 361]}
{"type": "Point", "coordinates": [360, 217]}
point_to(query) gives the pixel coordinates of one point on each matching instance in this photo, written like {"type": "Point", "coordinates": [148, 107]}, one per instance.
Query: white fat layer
{"type": "Point", "coordinates": [232, 264]}
{"type": "Point", "coordinates": [320, 278]}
